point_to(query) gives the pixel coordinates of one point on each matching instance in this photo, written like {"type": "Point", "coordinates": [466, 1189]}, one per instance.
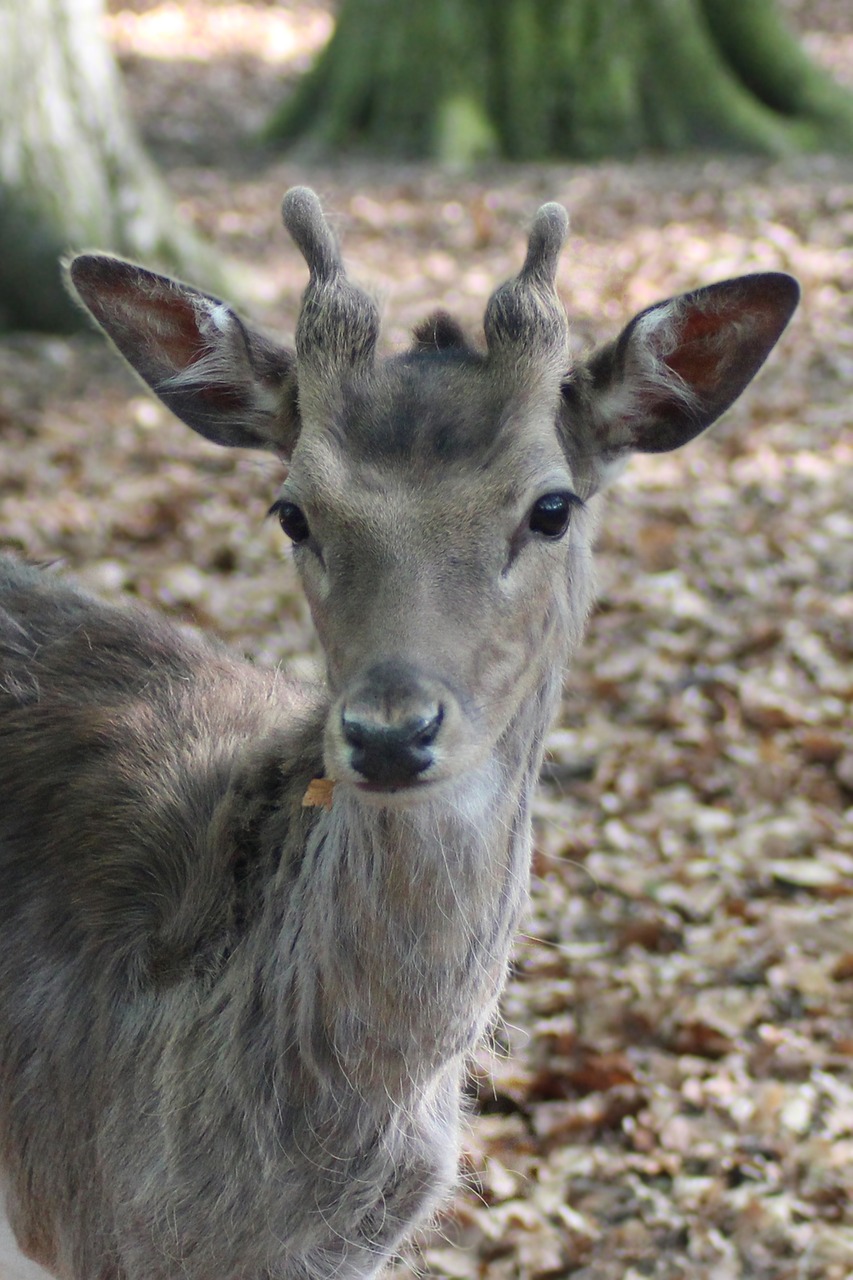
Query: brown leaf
{"type": "Point", "coordinates": [701, 1040]}
{"type": "Point", "coordinates": [652, 935]}
{"type": "Point", "coordinates": [319, 794]}
{"type": "Point", "coordinates": [821, 747]}
{"type": "Point", "coordinates": [556, 1122]}
{"type": "Point", "coordinates": [842, 970]}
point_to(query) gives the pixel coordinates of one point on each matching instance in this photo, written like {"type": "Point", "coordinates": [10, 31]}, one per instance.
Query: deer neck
{"type": "Point", "coordinates": [411, 917]}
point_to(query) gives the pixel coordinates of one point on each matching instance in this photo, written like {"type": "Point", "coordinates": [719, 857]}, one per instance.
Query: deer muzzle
{"type": "Point", "coordinates": [388, 731]}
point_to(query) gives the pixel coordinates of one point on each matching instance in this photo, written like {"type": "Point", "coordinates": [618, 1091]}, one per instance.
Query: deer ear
{"type": "Point", "coordinates": [680, 364]}
{"type": "Point", "coordinates": [229, 383]}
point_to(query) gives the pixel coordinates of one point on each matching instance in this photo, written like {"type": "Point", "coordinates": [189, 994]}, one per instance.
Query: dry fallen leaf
{"type": "Point", "coordinates": [319, 794]}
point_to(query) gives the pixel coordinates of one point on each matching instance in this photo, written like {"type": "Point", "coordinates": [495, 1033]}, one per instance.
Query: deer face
{"type": "Point", "coordinates": [443, 547]}
{"type": "Point", "coordinates": [438, 501]}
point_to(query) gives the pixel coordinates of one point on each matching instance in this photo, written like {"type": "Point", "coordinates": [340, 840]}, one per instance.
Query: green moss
{"type": "Point", "coordinates": [466, 79]}
{"type": "Point", "coordinates": [464, 134]}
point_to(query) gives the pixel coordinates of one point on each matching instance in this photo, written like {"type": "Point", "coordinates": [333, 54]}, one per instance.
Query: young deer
{"type": "Point", "coordinates": [233, 1027]}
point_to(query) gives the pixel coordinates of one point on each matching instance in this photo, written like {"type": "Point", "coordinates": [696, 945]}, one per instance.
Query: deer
{"type": "Point", "coordinates": [235, 1021]}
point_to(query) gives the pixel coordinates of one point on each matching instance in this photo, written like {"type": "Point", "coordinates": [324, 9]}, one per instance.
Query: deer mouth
{"type": "Point", "coordinates": [399, 788]}
{"type": "Point", "coordinates": [400, 795]}
{"type": "Point", "coordinates": [397, 795]}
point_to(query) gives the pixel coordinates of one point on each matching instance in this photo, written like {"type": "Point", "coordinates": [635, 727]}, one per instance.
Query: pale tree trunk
{"type": "Point", "coordinates": [460, 80]}
{"type": "Point", "coordinates": [72, 170]}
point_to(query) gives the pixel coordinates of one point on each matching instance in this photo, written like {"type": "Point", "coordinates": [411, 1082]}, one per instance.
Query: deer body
{"type": "Point", "coordinates": [221, 978]}
{"type": "Point", "coordinates": [233, 1029]}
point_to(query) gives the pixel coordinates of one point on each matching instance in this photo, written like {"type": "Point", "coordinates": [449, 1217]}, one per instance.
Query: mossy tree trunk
{"type": "Point", "coordinates": [459, 80]}
{"type": "Point", "coordinates": [72, 171]}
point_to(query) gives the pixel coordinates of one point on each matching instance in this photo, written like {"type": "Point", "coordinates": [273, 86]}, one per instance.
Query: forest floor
{"type": "Point", "coordinates": [670, 1093]}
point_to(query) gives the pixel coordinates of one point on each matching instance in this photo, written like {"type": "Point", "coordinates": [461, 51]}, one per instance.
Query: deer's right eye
{"type": "Point", "coordinates": [292, 520]}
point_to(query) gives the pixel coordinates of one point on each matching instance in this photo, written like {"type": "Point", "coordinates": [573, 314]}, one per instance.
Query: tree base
{"type": "Point", "coordinates": [463, 80]}
{"type": "Point", "coordinates": [73, 174]}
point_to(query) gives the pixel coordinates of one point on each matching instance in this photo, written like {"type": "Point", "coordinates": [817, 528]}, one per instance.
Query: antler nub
{"type": "Point", "coordinates": [547, 237]}
{"type": "Point", "coordinates": [524, 317]}
{"type": "Point", "coordinates": [338, 323]}
{"type": "Point", "coordinates": [303, 217]}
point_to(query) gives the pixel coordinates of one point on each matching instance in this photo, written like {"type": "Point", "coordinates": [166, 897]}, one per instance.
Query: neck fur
{"type": "Point", "coordinates": [410, 918]}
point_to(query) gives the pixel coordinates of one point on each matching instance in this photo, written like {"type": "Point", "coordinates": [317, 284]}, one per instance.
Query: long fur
{"type": "Point", "coordinates": [216, 1017]}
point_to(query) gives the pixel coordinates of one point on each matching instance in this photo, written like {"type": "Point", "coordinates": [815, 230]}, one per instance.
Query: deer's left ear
{"type": "Point", "coordinates": [228, 382]}
{"type": "Point", "coordinates": [679, 364]}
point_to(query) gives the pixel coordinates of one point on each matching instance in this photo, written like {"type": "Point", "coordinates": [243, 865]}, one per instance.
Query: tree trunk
{"type": "Point", "coordinates": [72, 171]}
{"type": "Point", "coordinates": [460, 80]}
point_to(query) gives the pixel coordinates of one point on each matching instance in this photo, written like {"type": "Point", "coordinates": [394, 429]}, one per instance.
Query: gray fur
{"type": "Point", "coordinates": [233, 1029]}
{"type": "Point", "coordinates": [338, 324]}
{"type": "Point", "coordinates": [525, 323]}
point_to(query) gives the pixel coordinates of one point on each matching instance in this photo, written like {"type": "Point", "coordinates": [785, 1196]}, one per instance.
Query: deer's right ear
{"type": "Point", "coordinates": [229, 383]}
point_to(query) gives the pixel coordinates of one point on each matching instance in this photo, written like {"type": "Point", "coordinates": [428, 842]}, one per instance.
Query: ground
{"type": "Point", "coordinates": [670, 1093]}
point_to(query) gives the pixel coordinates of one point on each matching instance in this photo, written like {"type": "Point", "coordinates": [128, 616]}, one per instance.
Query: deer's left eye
{"type": "Point", "coordinates": [550, 514]}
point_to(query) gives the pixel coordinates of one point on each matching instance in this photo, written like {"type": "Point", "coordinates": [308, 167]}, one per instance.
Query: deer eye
{"type": "Point", "coordinates": [292, 520]}
{"type": "Point", "coordinates": [551, 513]}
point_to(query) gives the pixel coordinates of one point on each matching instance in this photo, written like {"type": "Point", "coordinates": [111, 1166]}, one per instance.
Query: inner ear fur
{"type": "Point", "coordinates": [230, 383]}
{"type": "Point", "coordinates": [678, 365]}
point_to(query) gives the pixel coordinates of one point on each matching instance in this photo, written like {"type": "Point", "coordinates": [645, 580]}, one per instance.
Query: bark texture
{"type": "Point", "coordinates": [461, 80]}
{"type": "Point", "coordinates": [73, 173]}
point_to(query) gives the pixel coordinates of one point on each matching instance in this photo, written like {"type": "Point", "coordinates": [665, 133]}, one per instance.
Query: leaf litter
{"type": "Point", "coordinates": [669, 1092]}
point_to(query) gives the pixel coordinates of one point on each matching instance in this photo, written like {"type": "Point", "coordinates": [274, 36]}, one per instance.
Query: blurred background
{"type": "Point", "coordinates": [670, 1093]}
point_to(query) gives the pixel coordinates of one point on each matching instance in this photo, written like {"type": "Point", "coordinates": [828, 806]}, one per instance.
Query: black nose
{"type": "Point", "coordinates": [390, 754]}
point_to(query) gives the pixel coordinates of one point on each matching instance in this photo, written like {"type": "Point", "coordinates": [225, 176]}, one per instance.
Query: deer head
{"type": "Point", "coordinates": [439, 501]}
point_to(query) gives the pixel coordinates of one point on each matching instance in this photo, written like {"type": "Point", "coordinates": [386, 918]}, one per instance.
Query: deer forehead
{"type": "Point", "coordinates": [432, 425]}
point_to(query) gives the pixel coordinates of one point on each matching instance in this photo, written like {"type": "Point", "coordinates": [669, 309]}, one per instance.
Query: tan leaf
{"type": "Point", "coordinates": [319, 794]}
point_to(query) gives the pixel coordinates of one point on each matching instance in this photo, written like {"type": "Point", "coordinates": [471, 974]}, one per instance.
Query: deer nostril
{"type": "Point", "coordinates": [390, 754]}
{"type": "Point", "coordinates": [425, 731]}
{"type": "Point", "coordinates": [356, 732]}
